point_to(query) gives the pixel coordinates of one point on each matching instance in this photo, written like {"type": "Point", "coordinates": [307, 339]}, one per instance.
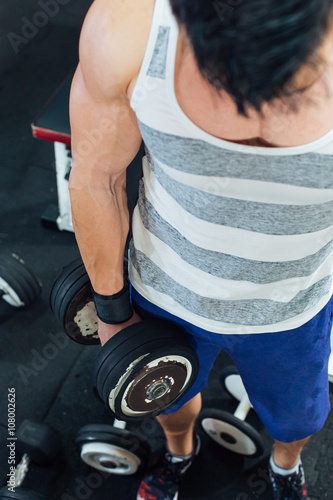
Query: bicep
{"type": "Point", "coordinates": [105, 132]}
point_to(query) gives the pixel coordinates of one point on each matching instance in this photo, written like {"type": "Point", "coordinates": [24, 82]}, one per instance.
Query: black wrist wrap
{"type": "Point", "coordinates": [114, 309]}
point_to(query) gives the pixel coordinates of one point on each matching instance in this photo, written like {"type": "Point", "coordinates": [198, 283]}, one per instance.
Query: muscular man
{"type": "Point", "coordinates": [232, 233]}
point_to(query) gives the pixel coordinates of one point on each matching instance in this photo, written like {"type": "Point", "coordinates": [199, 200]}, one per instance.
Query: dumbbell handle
{"type": "Point", "coordinates": [21, 470]}
{"type": "Point", "coordinates": [243, 408]}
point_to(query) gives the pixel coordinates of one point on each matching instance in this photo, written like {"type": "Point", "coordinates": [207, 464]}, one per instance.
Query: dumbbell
{"type": "Point", "coordinates": [18, 285]}
{"type": "Point", "coordinates": [36, 443]}
{"type": "Point", "coordinates": [230, 430]}
{"type": "Point", "coordinates": [144, 369]}
{"type": "Point", "coordinates": [112, 449]}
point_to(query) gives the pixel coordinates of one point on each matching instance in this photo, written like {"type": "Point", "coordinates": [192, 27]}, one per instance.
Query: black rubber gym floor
{"type": "Point", "coordinates": [53, 384]}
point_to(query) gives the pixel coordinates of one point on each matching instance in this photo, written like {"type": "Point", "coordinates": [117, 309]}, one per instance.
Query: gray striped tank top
{"type": "Point", "coordinates": [232, 238]}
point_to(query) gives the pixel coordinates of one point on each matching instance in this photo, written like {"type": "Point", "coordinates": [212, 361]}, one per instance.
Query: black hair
{"type": "Point", "coordinates": [252, 49]}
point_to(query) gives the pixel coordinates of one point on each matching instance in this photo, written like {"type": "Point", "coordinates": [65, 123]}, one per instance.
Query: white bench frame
{"type": "Point", "coordinates": [63, 164]}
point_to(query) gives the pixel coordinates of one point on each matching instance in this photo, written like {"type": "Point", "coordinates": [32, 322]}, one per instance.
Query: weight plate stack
{"type": "Point", "coordinates": [112, 450]}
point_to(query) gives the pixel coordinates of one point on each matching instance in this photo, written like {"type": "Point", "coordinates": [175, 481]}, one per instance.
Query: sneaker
{"type": "Point", "coordinates": [161, 481]}
{"type": "Point", "coordinates": [291, 487]}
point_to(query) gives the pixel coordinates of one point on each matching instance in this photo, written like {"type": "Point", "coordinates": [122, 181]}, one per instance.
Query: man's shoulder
{"type": "Point", "coordinates": [114, 38]}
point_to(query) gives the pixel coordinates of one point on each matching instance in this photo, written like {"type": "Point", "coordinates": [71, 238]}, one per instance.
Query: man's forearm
{"type": "Point", "coordinates": [101, 224]}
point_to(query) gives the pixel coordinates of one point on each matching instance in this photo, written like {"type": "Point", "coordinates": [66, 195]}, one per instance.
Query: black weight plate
{"type": "Point", "coordinates": [57, 292]}
{"type": "Point", "coordinates": [107, 356]}
{"type": "Point", "coordinates": [21, 289]}
{"type": "Point", "coordinates": [69, 294]}
{"type": "Point", "coordinates": [15, 268]}
{"type": "Point", "coordinates": [71, 287]}
{"type": "Point", "coordinates": [119, 361]}
{"type": "Point", "coordinates": [121, 350]}
{"type": "Point", "coordinates": [121, 358]}
{"type": "Point", "coordinates": [117, 365]}
{"type": "Point", "coordinates": [30, 279]}
{"type": "Point", "coordinates": [126, 341]}
{"type": "Point", "coordinates": [20, 494]}
{"type": "Point", "coordinates": [101, 433]}
{"type": "Point", "coordinates": [83, 330]}
{"type": "Point", "coordinates": [57, 283]}
{"type": "Point", "coordinates": [19, 277]}
{"type": "Point", "coordinates": [141, 378]}
{"type": "Point", "coordinates": [38, 440]}
{"type": "Point", "coordinates": [15, 285]}
{"type": "Point", "coordinates": [232, 433]}
{"type": "Point", "coordinates": [61, 285]}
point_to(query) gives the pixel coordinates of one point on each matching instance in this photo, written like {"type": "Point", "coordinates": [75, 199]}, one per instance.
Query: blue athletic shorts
{"type": "Point", "coordinates": [285, 373]}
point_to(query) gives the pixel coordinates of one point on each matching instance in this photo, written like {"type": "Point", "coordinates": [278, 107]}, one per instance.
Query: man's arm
{"type": "Point", "coordinates": [105, 139]}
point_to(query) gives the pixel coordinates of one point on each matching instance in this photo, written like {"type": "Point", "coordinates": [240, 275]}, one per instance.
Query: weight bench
{"type": "Point", "coordinates": [52, 124]}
